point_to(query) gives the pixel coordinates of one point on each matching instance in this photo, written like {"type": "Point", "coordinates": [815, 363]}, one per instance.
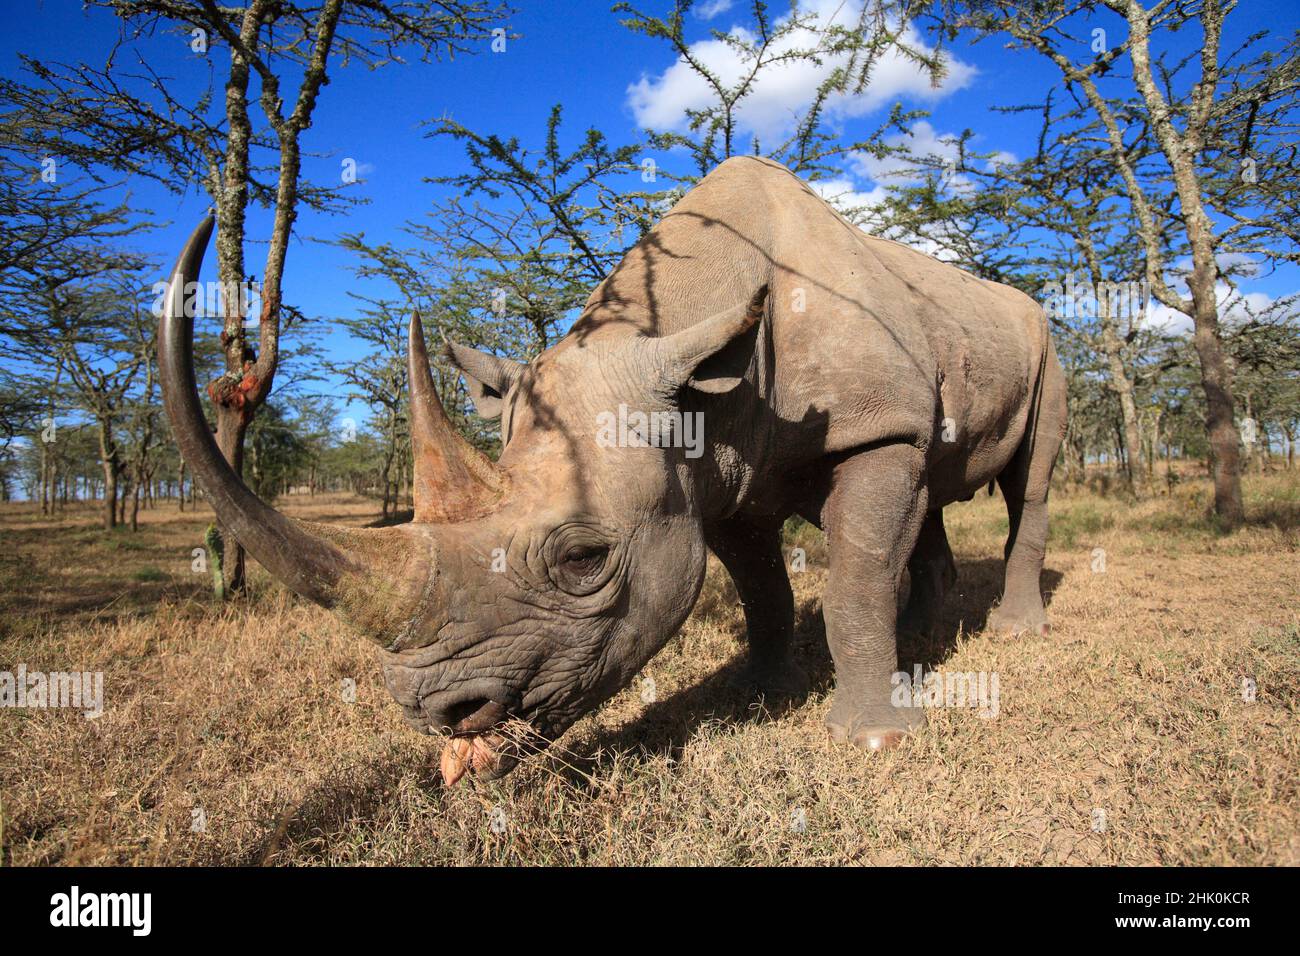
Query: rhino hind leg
{"type": "Point", "coordinates": [932, 572]}
{"type": "Point", "coordinates": [1025, 483]}
{"type": "Point", "coordinates": [751, 553]}
{"type": "Point", "coordinates": [1021, 609]}
{"type": "Point", "coordinates": [872, 518]}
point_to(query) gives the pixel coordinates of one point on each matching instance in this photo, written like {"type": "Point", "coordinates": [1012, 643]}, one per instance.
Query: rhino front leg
{"type": "Point", "coordinates": [872, 518]}
{"type": "Point", "coordinates": [752, 556]}
{"type": "Point", "coordinates": [933, 573]}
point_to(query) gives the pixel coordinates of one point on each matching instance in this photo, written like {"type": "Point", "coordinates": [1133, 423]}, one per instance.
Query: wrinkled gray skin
{"type": "Point", "coordinates": [831, 400]}
{"type": "Point", "coordinates": [834, 409]}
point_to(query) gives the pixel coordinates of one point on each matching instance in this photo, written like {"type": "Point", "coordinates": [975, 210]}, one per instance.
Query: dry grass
{"type": "Point", "coordinates": [1132, 705]}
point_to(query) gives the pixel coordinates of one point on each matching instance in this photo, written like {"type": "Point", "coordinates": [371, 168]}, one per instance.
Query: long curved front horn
{"type": "Point", "coordinates": [454, 481]}
{"type": "Point", "coordinates": [309, 565]}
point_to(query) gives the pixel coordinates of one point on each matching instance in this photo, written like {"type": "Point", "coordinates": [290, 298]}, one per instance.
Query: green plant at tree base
{"type": "Point", "coordinates": [216, 550]}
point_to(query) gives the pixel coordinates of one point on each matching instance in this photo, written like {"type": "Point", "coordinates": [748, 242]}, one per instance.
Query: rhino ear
{"type": "Point", "coordinates": [488, 376]}
{"type": "Point", "coordinates": [714, 355]}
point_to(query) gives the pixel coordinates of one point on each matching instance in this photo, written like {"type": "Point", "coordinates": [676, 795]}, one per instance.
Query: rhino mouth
{"type": "Point", "coordinates": [476, 716]}
{"type": "Point", "coordinates": [486, 741]}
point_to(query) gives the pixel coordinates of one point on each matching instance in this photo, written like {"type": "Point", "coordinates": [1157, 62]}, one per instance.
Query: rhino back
{"type": "Point", "coordinates": [872, 340]}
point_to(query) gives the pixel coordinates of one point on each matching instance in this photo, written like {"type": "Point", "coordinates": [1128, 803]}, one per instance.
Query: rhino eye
{"type": "Point", "coordinates": [584, 559]}
{"type": "Point", "coordinates": [581, 558]}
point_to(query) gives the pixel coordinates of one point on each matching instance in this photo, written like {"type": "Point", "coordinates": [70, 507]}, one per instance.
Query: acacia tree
{"type": "Point", "coordinates": [42, 212]}
{"type": "Point", "coordinates": [58, 231]}
{"type": "Point", "coordinates": [101, 333]}
{"type": "Point", "coordinates": [71, 313]}
{"type": "Point", "coordinates": [1266, 358]}
{"type": "Point", "coordinates": [552, 224]}
{"type": "Point", "coordinates": [1200, 128]}
{"type": "Point", "coordinates": [142, 421]}
{"type": "Point", "coordinates": [449, 305]}
{"type": "Point", "coordinates": [276, 453]}
{"type": "Point", "coordinates": [280, 56]}
{"type": "Point", "coordinates": [314, 419]}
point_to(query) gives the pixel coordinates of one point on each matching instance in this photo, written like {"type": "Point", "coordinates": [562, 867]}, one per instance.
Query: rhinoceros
{"type": "Point", "coordinates": [848, 379]}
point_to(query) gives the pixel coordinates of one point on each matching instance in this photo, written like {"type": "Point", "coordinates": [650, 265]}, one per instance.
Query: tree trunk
{"type": "Point", "coordinates": [231, 426]}
{"type": "Point", "coordinates": [110, 496]}
{"type": "Point", "coordinates": [1154, 450]}
{"type": "Point", "coordinates": [45, 478]}
{"type": "Point", "coordinates": [135, 508]}
{"type": "Point", "coordinates": [108, 458]}
{"type": "Point", "coordinates": [1216, 380]}
{"type": "Point", "coordinates": [1181, 149]}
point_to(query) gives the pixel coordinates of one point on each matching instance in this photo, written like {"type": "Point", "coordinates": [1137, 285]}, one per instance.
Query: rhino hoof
{"type": "Point", "coordinates": [878, 738]}
{"type": "Point", "coordinates": [870, 737]}
{"type": "Point", "coordinates": [1005, 620]}
{"type": "Point", "coordinates": [874, 728]}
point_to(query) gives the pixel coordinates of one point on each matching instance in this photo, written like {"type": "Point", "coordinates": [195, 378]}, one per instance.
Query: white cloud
{"type": "Point", "coordinates": [1234, 306]}
{"type": "Point", "coordinates": [1235, 264]}
{"type": "Point", "coordinates": [712, 8]}
{"type": "Point", "coordinates": [784, 91]}
{"type": "Point", "coordinates": [845, 196]}
{"type": "Point", "coordinates": [925, 142]}
{"type": "Point", "coordinates": [1000, 158]}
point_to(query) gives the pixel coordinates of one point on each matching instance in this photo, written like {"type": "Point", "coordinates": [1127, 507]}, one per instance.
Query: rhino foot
{"type": "Point", "coordinates": [1013, 620]}
{"type": "Point", "coordinates": [872, 726]}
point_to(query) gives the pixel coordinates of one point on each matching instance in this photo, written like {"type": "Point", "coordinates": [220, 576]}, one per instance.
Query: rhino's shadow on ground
{"type": "Point", "coordinates": [723, 697]}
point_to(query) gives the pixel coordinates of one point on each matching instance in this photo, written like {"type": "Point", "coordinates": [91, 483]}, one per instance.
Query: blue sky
{"type": "Point", "coordinates": [574, 53]}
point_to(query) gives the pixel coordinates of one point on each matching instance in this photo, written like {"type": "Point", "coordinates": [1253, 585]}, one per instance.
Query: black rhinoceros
{"type": "Point", "coordinates": [845, 378]}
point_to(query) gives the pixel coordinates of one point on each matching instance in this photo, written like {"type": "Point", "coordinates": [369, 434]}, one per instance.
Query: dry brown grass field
{"type": "Point", "coordinates": [235, 716]}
